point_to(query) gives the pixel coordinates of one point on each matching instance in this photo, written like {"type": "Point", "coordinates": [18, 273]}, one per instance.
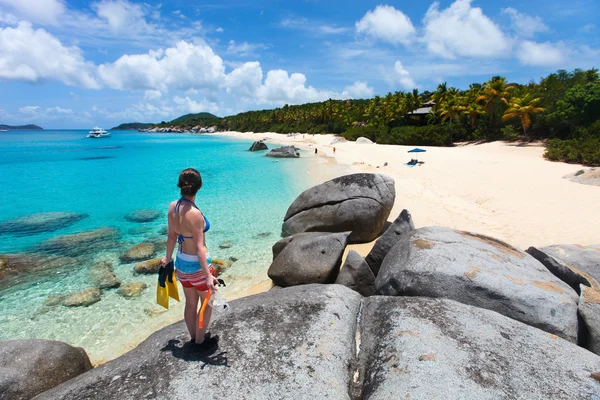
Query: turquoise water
{"type": "Point", "coordinates": [245, 196]}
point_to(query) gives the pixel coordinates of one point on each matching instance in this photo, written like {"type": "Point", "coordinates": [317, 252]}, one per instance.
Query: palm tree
{"type": "Point", "coordinates": [413, 100]}
{"type": "Point", "coordinates": [523, 108]}
{"type": "Point", "coordinates": [439, 96]}
{"type": "Point", "coordinates": [495, 91]}
{"type": "Point", "coordinates": [452, 108]}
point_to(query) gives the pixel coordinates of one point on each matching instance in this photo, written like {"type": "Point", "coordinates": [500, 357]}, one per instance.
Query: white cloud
{"type": "Point", "coordinates": [152, 94]}
{"type": "Point", "coordinates": [281, 88]}
{"type": "Point", "coordinates": [523, 24]}
{"type": "Point", "coordinates": [540, 54]}
{"type": "Point", "coordinates": [39, 114]}
{"type": "Point", "coordinates": [588, 28]}
{"type": "Point", "coordinates": [42, 11]}
{"type": "Point", "coordinates": [388, 24]}
{"type": "Point", "coordinates": [35, 55]}
{"type": "Point", "coordinates": [312, 26]}
{"type": "Point", "coordinates": [220, 30]}
{"type": "Point", "coordinates": [182, 67]}
{"type": "Point", "coordinates": [121, 15]}
{"type": "Point", "coordinates": [244, 48]}
{"type": "Point", "coordinates": [187, 105]}
{"type": "Point", "coordinates": [58, 110]}
{"type": "Point", "coordinates": [403, 77]}
{"type": "Point", "coordinates": [245, 79]}
{"type": "Point", "coordinates": [462, 30]}
{"type": "Point", "coordinates": [30, 110]}
{"type": "Point", "coordinates": [358, 90]}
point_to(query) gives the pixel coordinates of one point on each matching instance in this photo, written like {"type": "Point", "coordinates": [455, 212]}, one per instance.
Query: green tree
{"type": "Point", "coordinates": [494, 92]}
{"type": "Point", "coordinates": [523, 108]}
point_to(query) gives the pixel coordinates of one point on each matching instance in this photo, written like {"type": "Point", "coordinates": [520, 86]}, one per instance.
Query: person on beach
{"type": "Point", "coordinates": [187, 227]}
{"type": "Point", "coordinates": [316, 151]}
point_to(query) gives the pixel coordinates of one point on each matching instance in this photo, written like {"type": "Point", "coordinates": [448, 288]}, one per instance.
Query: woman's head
{"type": "Point", "coordinates": [190, 182]}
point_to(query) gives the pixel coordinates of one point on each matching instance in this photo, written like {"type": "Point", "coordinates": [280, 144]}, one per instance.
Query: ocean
{"type": "Point", "coordinates": [244, 195]}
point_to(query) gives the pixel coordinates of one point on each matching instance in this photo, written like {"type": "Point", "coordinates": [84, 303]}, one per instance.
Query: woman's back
{"type": "Point", "coordinates": [186, 220]}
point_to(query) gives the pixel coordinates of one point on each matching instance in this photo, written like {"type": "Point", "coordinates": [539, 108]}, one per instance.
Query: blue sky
{"type": "Point", "coordinates": [75, 64]}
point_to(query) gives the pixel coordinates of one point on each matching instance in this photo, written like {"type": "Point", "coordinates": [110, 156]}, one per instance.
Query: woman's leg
{"type": "Point", "coordinates": [200, 332]}
{"type": "Point", "coordinates": [191, 311]}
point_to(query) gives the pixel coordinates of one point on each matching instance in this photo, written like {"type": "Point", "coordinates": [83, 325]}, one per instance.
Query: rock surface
{"type": "Point", "coordinates": [23, 267]}
{"type": "Point", "coordinates": [309, 259]}
{"type": "Point", "coordinates": [360, 203]}
{"type": "Point", "coordinates": [142, 251]}
{"type": "Point", "coordinates": [258, 146]}
{"type": "Point", "coordinates": [81, 299]}
{"type": "Point", "coordinates": [284, 152]}
{"type": "Point", "coordinates": [402, 225]}
{"type": "Point", "coordinates": [148, 267]}
{"type": "Point", "coordinates": [30, 367]}
{"type": "Point", "coordinates": [357, 275]}
{"type": "Point", "coordinates": [363, 140]}
{"type": "Point", "coordinates": [421, 348]}
{"type": "Point", "coordinates": [38, 223]}
{"type": "Point", "coordinates": [80, 243]}
{"type": "Point", "coordinates": [587, 177]}
{"type": "Point", "coordinates": [103, 276]}
{"type": "Point", "coordinates": [571, 276]}
{"type": "Point", "coordinates": [480, 271]}
{"type": "Point", "coordinates": [226, 244]}
{"type": "Point", "coordinates": [589, 309]}
{"type": "Point", "coordinates": [132, 289]}
{"type": "Point", "coordinates": [294, 343]}
{"type": "Point", "coordinates": [142, 216]}
{"type": "Point", "coordinates": [584, 260]}
{"type": "Point", "coordinates": [277, 247]}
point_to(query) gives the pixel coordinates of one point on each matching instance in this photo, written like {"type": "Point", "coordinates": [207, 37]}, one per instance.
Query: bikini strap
{"type": "Point", "coordinates": [178, 204]}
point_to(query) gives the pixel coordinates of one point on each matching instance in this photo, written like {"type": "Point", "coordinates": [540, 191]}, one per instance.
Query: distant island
{"type": "Point", "coordinates": [132, 126]}
{"type": "Point", "coordinates": [202, 119]}
{"type": "Point", "coordinates": [29, 127]}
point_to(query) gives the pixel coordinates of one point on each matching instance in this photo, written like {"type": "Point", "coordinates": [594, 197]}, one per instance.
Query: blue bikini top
{"type": "Point", "coordinates": [181, 238]}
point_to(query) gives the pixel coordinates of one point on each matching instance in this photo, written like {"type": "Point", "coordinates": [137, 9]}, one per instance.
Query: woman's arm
{"type": "Point", "coordinates": [171, 239]}
{"type": "Point", "coordinates": [198, 234]}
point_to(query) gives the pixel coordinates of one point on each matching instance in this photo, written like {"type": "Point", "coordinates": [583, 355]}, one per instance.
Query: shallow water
{"type": "Point", "coordinates": [245, 196]}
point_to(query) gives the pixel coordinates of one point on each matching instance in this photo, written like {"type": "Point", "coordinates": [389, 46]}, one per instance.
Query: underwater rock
{"type": "Point", "coordinates": [142, 216]}
{"type": "Point", "coordinates": [148, 267]}
{"type": "Point", "coordinates": [142, 251]}
{"type": "Point", "coordinates": [80, 243]}
{"type": "Point", "coordinates": [82, 299]}
{"type": "Point", "coordinates": [226, 244]}
{"type": "Point", "coordinates": [103, 276]}
{"type": "Point", "coordinates": [263, 235]}
{"type": "Point", "coordinates": [132, 289]}
{"type": "Point", "coordinates": [38, 223]}
{"type": "Point", "coordinates": [22, 267]}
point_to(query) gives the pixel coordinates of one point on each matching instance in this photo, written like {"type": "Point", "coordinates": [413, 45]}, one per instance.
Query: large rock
{"type": "Point", "coordinates": [148, 267]}
{"type": "Point", "coordinates": [480, 271]}
{"type": "Point", "coordinates": [80, 243]}
{"type": "Point", "coordinates": [142, 251]}
{"type": "Point", "coordinates": [132, 289]}
{"type": "Point", "coordinates": [562, 271]}
{"type": "Point", "coordinates": [309, 259]}
{"type": "Point", "coordinates": [84, 298]}
{"type": "Point", "coordinates": [103, 276]}
{"type": "Point", "coordinates": [583, 260]}
{"type": "Point", "coordinates": [30, 367]}
{"type": "Point", "coordinates": [422, 348]}
{"type": "Point", "coordinates": [142, 216]}
{"type": "Point", "coordinates": [360, 203]}
{"type": "Point", "coordinates": [294, 343]}
{"type": "Point", "coordinates": [280, 245]}
{"type": "Point", "coordinates": [284, 152]}
{"type": "Point", "coordinates": [357, 275]}
{"type": "Point", "coordinates": [363, 140]}
{"type": "Point", "coordinates": [258, 146]}
{"type": "Point", "coordinates": [589, 309]}
{"type": "Point", "coordinates": [24, 267]}
{"type": "Point", "coordinates": [38, 223]}
{"type": "Point", "coordinates": [402, 225]}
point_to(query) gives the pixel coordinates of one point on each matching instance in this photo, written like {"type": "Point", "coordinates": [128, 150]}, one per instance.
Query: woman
{"type": "Point", "coordinates": [187, 226]}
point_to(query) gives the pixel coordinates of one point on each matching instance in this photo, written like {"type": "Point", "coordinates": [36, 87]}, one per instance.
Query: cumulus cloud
{"type": "Point", "coordinates": [152, 94]}
{"type": "Point", "coordinates": [34, 55]}
{"type": "Point", "coordinates": [282, 88]}
{"type": "Point", "coordinates": [121, 15]}
{"type": "Point", "coordinates": [38, 113]}
{"type": "Point", "coordinates": [540, 54]}
{"type": "Point", "coordinates": [403, 77]}
{"type": "Point", "coordinates": [358, 90]}
{"type": "Point", "coordinates": [388, 24]}
{"type": "Point", "coordinates": [462, 30]}
{"type": "Point", "coordinates": [523, 24]}
{"type": "Point", "coordinates": [245, 79]}
{"type": "Point", "coordinates": [187, 105]}
{"type": "Point", "coordinates": [42, 11]}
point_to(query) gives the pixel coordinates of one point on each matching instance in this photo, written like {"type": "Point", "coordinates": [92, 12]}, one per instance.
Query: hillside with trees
{"type": "Point", "coordinates": [563, 107]}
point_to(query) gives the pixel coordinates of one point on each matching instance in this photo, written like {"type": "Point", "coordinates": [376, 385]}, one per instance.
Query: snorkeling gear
{"type": "Point", "coordinates": [167, 285]}
{"type": "Point", "coordinates": [206, 302]}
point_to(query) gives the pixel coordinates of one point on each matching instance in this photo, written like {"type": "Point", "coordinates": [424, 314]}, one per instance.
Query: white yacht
{"type": "Point", "coordinates": [98, 133]}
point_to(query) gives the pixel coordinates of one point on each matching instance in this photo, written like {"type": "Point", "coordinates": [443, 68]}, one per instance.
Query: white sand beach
{"type": "Point", "coordinates": [507, 191]}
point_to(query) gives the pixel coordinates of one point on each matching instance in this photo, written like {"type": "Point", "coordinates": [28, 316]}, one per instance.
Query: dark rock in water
{"type": "Point", "coordinates": [82, 299]}
{"type": "Point", "coordinates": [103, 276]}
{"type": "Point", "coordinates": [142, 216]}
{"type": "Point", "coordinates": [233, 259]}
{"type": "Point", "coordinates": [562, 271]}
{"type": "Point", "coordinates": [148, 267]}
{"type": "Point", "coordinates": [55, 300]}
{"type": "Point", "coordinates": [357, 275]}
{"type": "Point", "coordinates": [589, 309]}
{"type": "Point", "coordinates": [473, 354]}
{"type": "Point", "coordinates": [402, 225]}
{"type": "Point", "coordinates": [140, 252]}
{"type": "Point", "coordinates": [23, 267]}
{"type": "Point", "coordinates": [583, 260]}
{"type": "Point", "coordinates": [480, 271]}
{"type": "Point", "coordinates": [360, 203]}
{"type": "Point", "coordinates": [132, 289]}
{"type": "Point", "coordinates": [274, 345]}
{"type": "Point", "coordinates": [309, 259]}
{"type": "Point", "coordinates": [30, 367]}
{"type": "Point", "coordinates": [80, 243]}
{"type": "Point", "coordinates": [258, 146]}
{"type": "Point", "coordinates": [226, 244]}
{"type": "Point", "coordinates": [263, 235]}
{"type": "Point", "coordinates": [284, 152]}
{"type": "Point", "coordinates": [38, 223]}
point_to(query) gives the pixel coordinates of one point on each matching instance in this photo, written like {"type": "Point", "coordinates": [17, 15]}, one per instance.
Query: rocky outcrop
{"type": "Point", "coordinates": [360, 203]}
{"type": "Point", "coordinates": [441, 349]}
{"type": "Point", "coordinates": [30, 367]}
{"type": "Point", "coordinates": [589, 309]}
{"type": "Point", "coordinates": [23, 267]}
{"type": "Point", "coordinates": [142, 251]}
{"type": "Point", "coordinates": [357, 275]}
{"type": "Point", "coordinates": [132, 289]}
{"type": "Point", "coordinates": [583, 260]}
{"type": "Point", "coordinates": [84, 298]}
{"type": "Point", "coordinates": [284, 152]}
{"type": "Point", "coordinates": [402, 225]}
{"type": "Point", "coordinates": [258, 146]}
{"type": "Point", "coordinates": [562, 271]}
{"type": "Point", "coordinates": [363, 140]}
{"type": "Point", "coordinates": [142, 216]}
{"type": "Point", "coordinates": [103, 276]}
{"type": "Point", "coordinates": [292, 343]}
{"type": "Point", "coordinates": [39, 223]}
{"type": "Point", "coordinates": [481, 271]}
{"type": "Point", "coordinates": [148, 267]}
{"type": "Point", "coordinates": [308, 259]}
{"type": "Point", "coordinates": [80, 243]}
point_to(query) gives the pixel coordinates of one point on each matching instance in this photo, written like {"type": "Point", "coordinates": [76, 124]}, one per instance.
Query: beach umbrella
{"type": "Point", "coordinates": [417, 150]}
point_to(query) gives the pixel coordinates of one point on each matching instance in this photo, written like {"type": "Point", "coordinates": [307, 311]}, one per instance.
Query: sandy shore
{"type": "Point", "coordinates": [503, 190]}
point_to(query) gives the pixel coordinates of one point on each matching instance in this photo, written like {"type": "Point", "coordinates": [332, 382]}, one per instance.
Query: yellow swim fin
{"type": "Point", "coordinates": [162, 296]}
{"type": "Point", "coordinates": [173, 291]}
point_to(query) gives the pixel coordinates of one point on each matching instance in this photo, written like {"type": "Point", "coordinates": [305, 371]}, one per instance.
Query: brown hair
{"type": "Point", "coordinates": [190, 182]}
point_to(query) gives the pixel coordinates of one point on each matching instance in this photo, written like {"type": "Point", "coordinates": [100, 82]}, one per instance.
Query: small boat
{"type": "Point", "coordinates": [3, 130]}
{"type": "Point", "coordinates": [97, 133]}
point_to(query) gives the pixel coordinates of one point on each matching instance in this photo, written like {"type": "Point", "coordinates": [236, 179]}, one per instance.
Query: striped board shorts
{"type": "Point", "coordinates": [193, 277]}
